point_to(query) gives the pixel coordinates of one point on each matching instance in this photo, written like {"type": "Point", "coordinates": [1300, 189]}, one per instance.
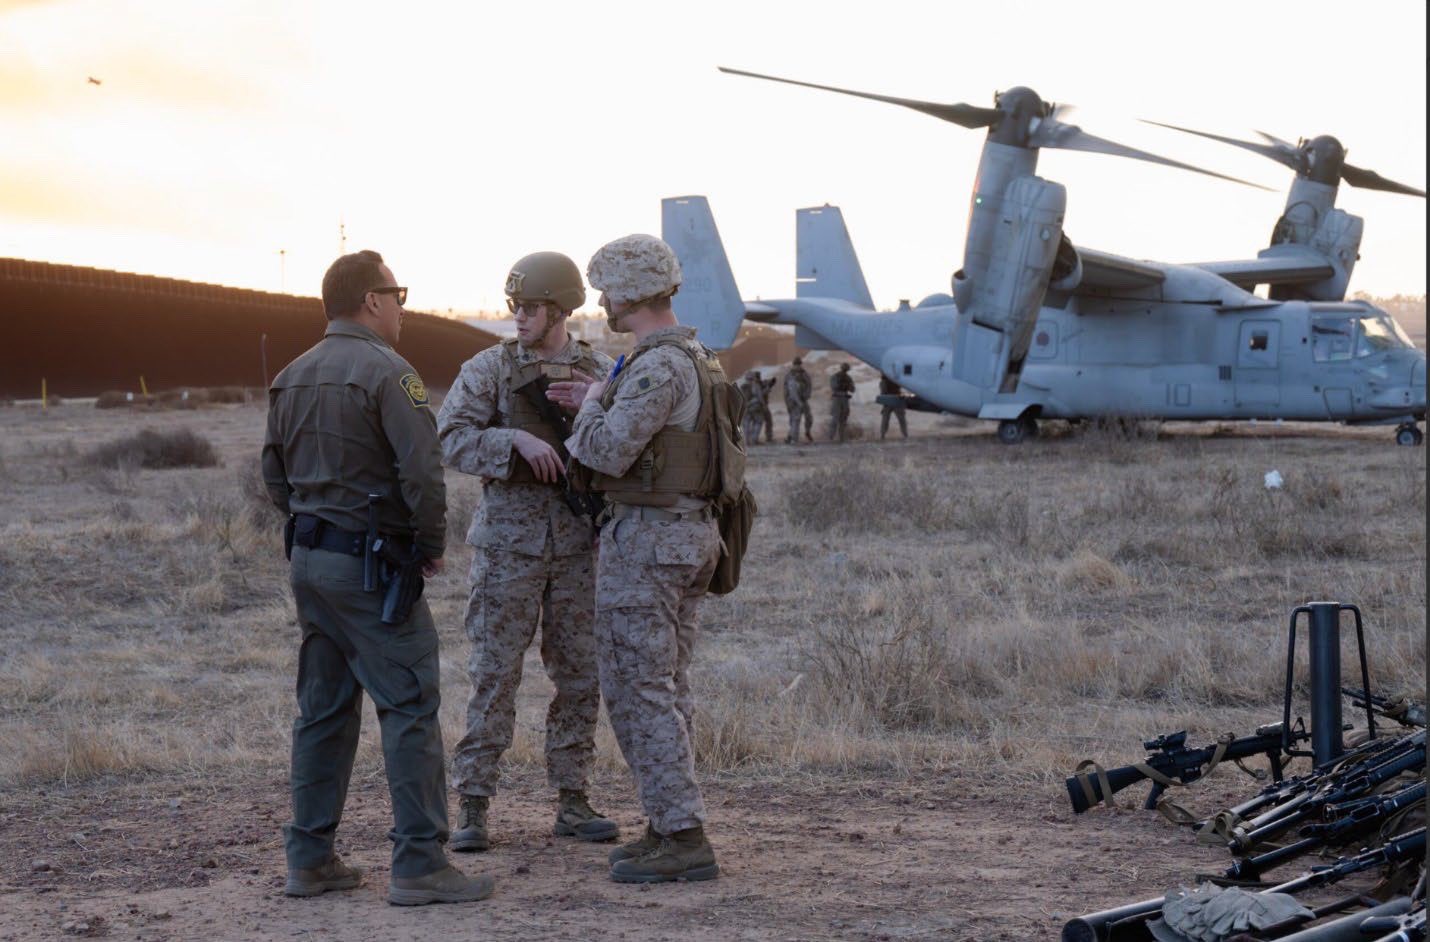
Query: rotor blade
{"type": "Point", "coordinates": [1071, 137]}
{"type": "Point", "coordinates": [1279, 151]}
{"type": "Point", "coordinates": [1370, 180]}
{"type": "Point", "coordinates": [1277, 141]}
{"type": "Point", "coordinates": [968, 116]}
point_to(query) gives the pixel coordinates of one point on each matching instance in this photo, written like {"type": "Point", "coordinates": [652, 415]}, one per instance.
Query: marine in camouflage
{"type": "Point", "coordinates": [797, 389]}
{"type": "Point", "coordinates": [841, 388]}
{"type": "Point", "coordinates": [753, 388]}
{"type": "Point", "coordinates": [634, 268]}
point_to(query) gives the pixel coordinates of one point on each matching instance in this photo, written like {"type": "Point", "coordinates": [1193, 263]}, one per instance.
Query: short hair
{"type": "Point", "coordinates": [347, 282]}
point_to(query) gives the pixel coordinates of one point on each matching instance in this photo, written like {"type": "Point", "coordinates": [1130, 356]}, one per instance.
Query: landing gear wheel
{"type": "Point", "coordinates": [1409, 435]}
{"type": "Point", "coordinates": [1014, 431]}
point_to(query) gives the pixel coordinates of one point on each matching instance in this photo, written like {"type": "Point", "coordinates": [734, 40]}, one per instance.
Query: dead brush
{"type": "Point", "coordinates": [155, 448]}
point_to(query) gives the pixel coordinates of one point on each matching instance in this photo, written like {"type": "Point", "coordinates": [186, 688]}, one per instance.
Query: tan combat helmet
{"type": "Point", "coordinates": [549, 277]}
{"type": "Point", "coordinates": [632, 269]}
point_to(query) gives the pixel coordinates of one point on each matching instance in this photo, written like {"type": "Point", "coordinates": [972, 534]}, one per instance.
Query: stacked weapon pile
{"type": "Point", "coordinates": [1360, 809]}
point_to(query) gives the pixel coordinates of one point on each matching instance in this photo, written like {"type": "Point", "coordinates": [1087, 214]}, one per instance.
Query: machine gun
{"type": "Point", "coordinates": [1171, 762]}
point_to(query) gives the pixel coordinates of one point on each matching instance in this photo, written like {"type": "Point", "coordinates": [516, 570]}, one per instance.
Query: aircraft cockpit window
{"type": "Point", "coordinates": [1331, 338]}
{"type": "Point", "coordinates": [1379, 333]}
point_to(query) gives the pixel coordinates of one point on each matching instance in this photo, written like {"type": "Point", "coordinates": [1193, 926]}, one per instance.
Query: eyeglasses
{"type": "Point", "coordinates": [399, 293]}
{"type": "Point", "coordinates": [520, 308]}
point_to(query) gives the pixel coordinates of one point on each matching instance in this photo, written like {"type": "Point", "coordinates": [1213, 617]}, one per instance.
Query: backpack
{"type": "Point", "coordinates": [734, 504]}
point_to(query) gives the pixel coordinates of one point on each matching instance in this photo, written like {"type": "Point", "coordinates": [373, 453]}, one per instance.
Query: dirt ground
{"type": "Point", "coordinates": [876, 831]}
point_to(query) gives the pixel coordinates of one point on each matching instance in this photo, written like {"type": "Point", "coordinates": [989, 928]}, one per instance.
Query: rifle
{"type": "Point", "coordinates": [580, 503]}
{"type": "Point", "coordinates": [1171, 762]}
{"type": "Point", "coordinates": [1365, 756]}
{"type": "Point", "coordinates": [1401, 709]}
{"type": "Point", "coordinates": [1130, 921]}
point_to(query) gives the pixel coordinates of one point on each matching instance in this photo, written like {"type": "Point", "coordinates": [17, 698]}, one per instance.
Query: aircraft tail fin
{"type": "Point", "coordinates": [826, 266]}
{"type": "Point", "coordinates": [708, 299]}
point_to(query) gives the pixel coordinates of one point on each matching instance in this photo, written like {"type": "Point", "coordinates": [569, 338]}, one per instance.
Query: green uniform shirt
{"type": "Point", "coordinates": [350, 418]}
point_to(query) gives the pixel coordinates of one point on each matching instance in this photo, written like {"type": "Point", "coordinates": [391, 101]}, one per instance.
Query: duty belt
{"type": "Point", "coordinates": [637, 512]}
{"type": "Point", "coordinates": [313, 532]}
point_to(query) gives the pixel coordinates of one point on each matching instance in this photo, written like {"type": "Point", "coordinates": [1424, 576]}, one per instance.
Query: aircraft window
{"type": "Point", "coordinates": [1258, 340]}
{"type": "Point", "coordinates": [908, 369]}
{"type": "Point", "coordinates": [1331, 338]}
{"type": "Point", "coordinates": [1377, 334]}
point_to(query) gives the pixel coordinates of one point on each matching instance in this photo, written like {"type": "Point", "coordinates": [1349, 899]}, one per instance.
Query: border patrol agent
{"type": "Point", "coordinates": [350, 418]}
{"type": "Point", "coordinates": [640, 435]}
{"type": "Point", "coordinates": [533, 537]}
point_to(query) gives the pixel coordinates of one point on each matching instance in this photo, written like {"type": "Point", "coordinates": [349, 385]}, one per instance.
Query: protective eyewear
{"type": "Point", "coordinates": [399, 293]}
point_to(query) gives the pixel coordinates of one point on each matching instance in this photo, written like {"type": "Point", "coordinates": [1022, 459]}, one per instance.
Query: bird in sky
{"type": "Point", "coordinates": [94, 81]}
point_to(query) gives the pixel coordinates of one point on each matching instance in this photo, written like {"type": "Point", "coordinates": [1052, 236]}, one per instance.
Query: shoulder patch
{"type": "Point", "coordinates": [416, 390]}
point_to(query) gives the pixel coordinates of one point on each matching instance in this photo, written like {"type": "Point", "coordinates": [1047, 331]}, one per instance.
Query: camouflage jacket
{"type": "Point", "coordinates": [797, 386]}
{"type": "Point", "coordinates": [523, 518]}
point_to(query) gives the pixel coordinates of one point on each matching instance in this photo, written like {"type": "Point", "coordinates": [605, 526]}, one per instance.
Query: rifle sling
{"type": "Point", "coordinates": [1080, 773]}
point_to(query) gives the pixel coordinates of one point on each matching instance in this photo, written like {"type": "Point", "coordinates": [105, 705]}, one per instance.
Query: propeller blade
{"type": "Point", "coordinates": [1277, 150]}
{"type": "Point", "coordinates": [1370, 180]}
{"type": "Point", "coordinates": [1277, 141]}
{"type": "Point", "coordinates": [1052, 134]}
{"type": "Point", "coordinates": [968, 116]}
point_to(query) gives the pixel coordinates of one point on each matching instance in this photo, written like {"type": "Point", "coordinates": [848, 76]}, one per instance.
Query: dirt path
{"type": "Point", "coordinates": [871, 859]}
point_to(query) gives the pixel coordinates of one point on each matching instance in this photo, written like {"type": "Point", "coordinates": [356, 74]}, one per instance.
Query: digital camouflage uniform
{"type": "Point", "coordinates": [841, 388]}
{"type": "Point", "coordinates": [797, 389]}
{"type": "Point", "coordinates": [348, 418]}
{"type": "Point", "coordinates": [766, 415]}
{"type": "Point", "coordinates": [651, 574]}
{"type": "Point", "coordinates": [754, 390]}
{"type": "Point", "coordinates": [887, 387]}
{"type": "Point", "coordinates": [532, 566]}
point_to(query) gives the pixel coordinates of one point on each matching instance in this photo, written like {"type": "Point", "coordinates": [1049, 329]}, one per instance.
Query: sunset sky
{"type": "Point", "coordinates": [456, 138]}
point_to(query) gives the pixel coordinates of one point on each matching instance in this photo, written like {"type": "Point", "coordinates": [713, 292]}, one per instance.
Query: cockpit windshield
{"type": "Point", "coordinates": [1378, 333]}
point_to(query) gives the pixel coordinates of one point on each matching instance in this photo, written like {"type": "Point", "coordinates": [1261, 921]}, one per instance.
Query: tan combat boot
{"type": "Point", "coordinates": [576, 818]}
{"type": "Point", "coordinates": [646, 843]}
{"type": "Point", "coordinates": [471, 832]}
{"type": "Point", "coordinates": [448, 885]}
{"type": "Point", "coordinates": [333, 875]}
{"type": "Point", "coordinates": [684, 855]}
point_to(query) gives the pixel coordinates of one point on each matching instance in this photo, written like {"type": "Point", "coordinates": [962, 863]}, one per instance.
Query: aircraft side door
{"type": "Point", "coordinates": [1258, 364]}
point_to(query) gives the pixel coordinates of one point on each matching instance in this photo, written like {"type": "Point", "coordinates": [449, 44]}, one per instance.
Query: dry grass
{"type": "Point", "coordinates": [945, 602]}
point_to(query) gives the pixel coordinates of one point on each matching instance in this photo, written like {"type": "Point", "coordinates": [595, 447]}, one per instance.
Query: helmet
{"type": "Point", "coordinates": [796, 362]}
{"type": "Point", "coordinates": [634, 268]}
{"type": "Point", "coordinates": [547, 276]}
{"type": "Point", "coordinates": [844, 367]}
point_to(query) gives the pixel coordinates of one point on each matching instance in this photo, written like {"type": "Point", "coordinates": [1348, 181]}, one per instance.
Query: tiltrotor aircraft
{"type": "Point", "coordinates": [1038, 328]}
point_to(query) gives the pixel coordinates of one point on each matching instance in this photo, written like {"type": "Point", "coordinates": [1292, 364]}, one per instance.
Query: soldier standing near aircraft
{"type": "Point", "coordinates": [349, 420]}
{"type": "Point", "coordinates": [841, 388]}
{"type": "Point", "coordinates": [644, 436]}
{"type": "Point", "coordinates": [753, 388]}
{"type": "Point", "coordinates": [533, 540]}
{"type": "Point", "coordinates": [765, 414]}
{"type": "Point", "coordinates": [891, 397]}
{"type": "Point", "coordinates": [798, 389]}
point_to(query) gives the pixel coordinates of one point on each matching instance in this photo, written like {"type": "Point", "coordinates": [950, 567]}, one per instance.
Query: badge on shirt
{"type": "Point", "coordinates": [416, 390]}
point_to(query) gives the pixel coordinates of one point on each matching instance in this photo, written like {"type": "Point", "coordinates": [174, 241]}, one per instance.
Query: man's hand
{"type": "Point", "coordinates": [569, 394]}
{"type": "Point", "coordinates": [431, 567]}
{"type": "Point", "coordinates": [542, 457]}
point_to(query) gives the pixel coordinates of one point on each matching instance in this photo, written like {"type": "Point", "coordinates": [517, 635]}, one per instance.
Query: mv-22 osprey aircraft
{"type": "Point", "coordinates": [1038, 328]}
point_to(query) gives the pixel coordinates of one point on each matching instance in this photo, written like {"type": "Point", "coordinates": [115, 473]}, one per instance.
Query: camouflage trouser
{"type": "Point", "coordinates": [884, 420]}
{"type": "Point", "coordinates": [839, 413]}
{"type": "Point", "coordinates": [650, 578]}
{"type": "Point", "coordinates": [768, 419]}
{"type": "Point", "coordinates": [796, 410]}
{"type": "Point", "coordinates": [348, 650]}
{"type": "Point", "coordinates": [511, 594]}
{"type": "Point", "coordinates": [753, 421]}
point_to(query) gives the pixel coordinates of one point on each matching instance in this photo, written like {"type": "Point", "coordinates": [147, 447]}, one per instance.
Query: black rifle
{"type": "Point", "coordinates": [1342, 823]}
{"type": "Point", "coordinates": [581, 503]}
{"type": "Point", "coordinates": [1130, 921]}
{"type": "Point", "coordinates": [1170, 759]}
{"type": "Point", "coordinates": [1407, 928]}
{"type": "Point", "coordinates": [1365, 756]}
{"type": "Point", "coordinates": [1404, 711]}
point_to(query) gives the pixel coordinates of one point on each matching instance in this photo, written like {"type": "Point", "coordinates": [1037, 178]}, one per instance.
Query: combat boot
{"type": "Point", "coordinates": [332, 875]}
{"type": "Point", "coordinates": [448, 885]}
{"type": "Point", "coordinates": [684, 855]}
{"type": "Point", "coordinates": [576, 818]}
{"type": "Point", "coordinates": [643, 845]}
{"type": "Point", "coordinates": [471, 832]}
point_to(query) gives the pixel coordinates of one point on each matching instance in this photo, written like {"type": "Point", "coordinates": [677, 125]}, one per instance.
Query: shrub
{"type": "Point", "coordinates": [151, 448]}
{"type": "Point", "coordinates": [227, 394]}
{"type": "Point", "coordinates": [120, 399]}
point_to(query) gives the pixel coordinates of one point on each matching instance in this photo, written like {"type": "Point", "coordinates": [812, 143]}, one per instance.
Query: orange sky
{"type": "Point", "coordinates": [456, 139]}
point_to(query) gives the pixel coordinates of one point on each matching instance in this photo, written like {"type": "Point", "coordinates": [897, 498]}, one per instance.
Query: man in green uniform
{"type": "Point", "coordinates": [351, 434]}
{"type": "Point", "coordinates": [841, 388]}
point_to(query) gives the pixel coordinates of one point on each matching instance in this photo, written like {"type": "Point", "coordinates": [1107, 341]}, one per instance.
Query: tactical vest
{"type": "Point", "coordinates": [524, 415]}
{"type": "Point", "coordinates": [675, 463]}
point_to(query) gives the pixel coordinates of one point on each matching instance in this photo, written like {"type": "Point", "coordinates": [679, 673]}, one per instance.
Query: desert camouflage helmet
{"type": "Point", "coordinates": [547, 276]}
{"type": "Point", "coordinates": [634, 268]}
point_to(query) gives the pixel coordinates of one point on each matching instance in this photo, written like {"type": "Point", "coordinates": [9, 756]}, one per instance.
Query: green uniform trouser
{"type": "Point", "coordinates": [346, 650]}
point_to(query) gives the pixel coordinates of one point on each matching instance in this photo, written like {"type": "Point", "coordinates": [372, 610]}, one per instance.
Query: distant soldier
{"type": "Point", "coordinates": [753, 388]}
{"type": "Point", "coordinates": [347, 420]}
{"type": "Point", "coordinates": [895, 405]}
{"type": "Point", "coordinates": [645, 436]}
{"type": "Point", "coordinates": [765, 415]}
{"type": "Point", "coordinates": [798, 388]}
{"type": "Point", "coordinates": [533, 540]}
{"type": "Point", "coordinates": [841, 388]}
